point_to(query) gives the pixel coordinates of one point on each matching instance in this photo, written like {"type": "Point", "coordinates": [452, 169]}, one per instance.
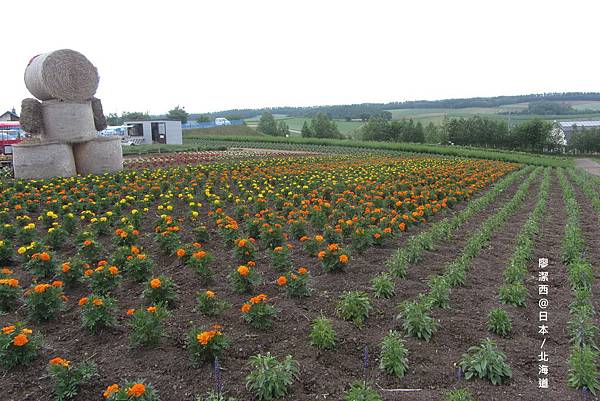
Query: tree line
{"type": "Point", "coordinates": [534, 135]}
{"type": "Point", "coordinates": [368, 110]}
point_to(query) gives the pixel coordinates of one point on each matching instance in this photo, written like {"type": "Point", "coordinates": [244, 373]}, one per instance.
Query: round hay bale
{"type": "Point", "coordinates": [43, 160]}
{"type": "Point", "coordinates": [31, 116]}
{"type": "Point", "coordinates": [68, 121]}
{"type": "Point", "coordinates": [99, 118]}
{"type": "Point", "coordinates": [61, 74]}
{"type": "Point", "coordinates": [98, 156]}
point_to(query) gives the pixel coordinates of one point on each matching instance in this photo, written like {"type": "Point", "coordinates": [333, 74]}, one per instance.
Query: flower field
{"type": "Point", "coordinates": [346, 277]}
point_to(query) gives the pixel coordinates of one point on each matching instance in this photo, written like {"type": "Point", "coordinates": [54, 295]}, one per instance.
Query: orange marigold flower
{"type": "Point", "coordinates": [181, 252]}
{"type": "Point", "coordinates": [243, 271]}
{"type": "Point", "coordinates": [242, 243]}
{"type": "Point", "coordinates": [343, 259]}
{"type": "Point", "coordinates": [44, 257]}
{"type": "Point", "coordinates": [141, 256]}
{"type": "Point", "coordinates": [6, 270]}
{"type": "Point", "coordinates": [137, 390]}
{"type": "Point", "coordinates": [8, 329]}
{"type": "Point", "coordinates": [278, 249]}
{"type": "Point", "coordinates": [88, 272]}
{"type": "Point", "coordinates": [87, 242]}
{"type": "Point", "coordinates": [59, 361]}
{"type": "Point", "coordinates": [333, 247]}
{"type": "Point", "coordinates": [245, 308]}
{"type": "Point", "coordinates": [113, 388]}
{"type": "Point", "coordinates": [302, 270]}
{"type": "Point", "coordinates": [102, 263]}
{"type": "Point", "coordinates": [40, 288]}
{"type": "Point", "coordinates": [97, 302]}
{"type": "Point", "coordinates": [135, 250]}
{"type": "Point", "coordinates": [251, 263]}
{"type": "Point", "coordinates": [57, 283]}
{"type": "Point", "coordinates": [130, 312]}
{"type": "Point", "coordinates": [65, 267]}
{"type": "Point", "coordinates": [151, 309]}
{"type": "Point", "coordinates": [321, 255]}
{"type": "Point", "coordinates": [281, 281]}
{"type": "Point", "coordinates": [319, 238]}
{"type": "Point", "coordinates": [83, 301]}
{"type": "Point", "coordinates": [20, 340]}
{"type": "Point", "coordinates": [402, 226]}
{"type": "Point", "coordinates": [113, 270]}
{"type": "Point", "coordinates": [155, 283]}
{"type": "Point", "coordinates": [199, 254]}
{"type": "Point", "coordinates": [210, 294]}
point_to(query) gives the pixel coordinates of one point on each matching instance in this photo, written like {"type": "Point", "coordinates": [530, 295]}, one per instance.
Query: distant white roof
{"type": "Point", "coordinates": [586, 124]}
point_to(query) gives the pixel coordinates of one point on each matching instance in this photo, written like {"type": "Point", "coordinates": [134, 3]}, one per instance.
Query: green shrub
{"type": "Point", "coordinates": [439, 292]}
{"type": "Point", "coordinates": [209, 305]}
{"type": "Point", "coordinates": [204, 345]}
{"type": "Point", "coordinates": [383, 286]}
{"type": "Point", "coordinates": [44, 301]}
{"type": "Point", "coordinates": [97, 312]}
{"type": "Point", "coordinates": [160, 290]}
{"type": "Point", "coordinates": [270, 378]}
{"type": "Point", "coordinates": [513, 294]}
{"type": "Point", "coordinates": [147, 325]}
{"type": "Point", "coordinates": [415, 319]}
{"type": "Point", "coordinates": [461, 394]}
{"type": "Point", "coordinates": [244, 279]}
{"type": "Point", "coordinates": [18, 345]}
{"type": "Point", "coordinates": [393, 358]}
{"type": "Point", "coordinates": [354, 306]}
{"type": "Point", "coordinates": [361, 391]}
{"type": "Point", "coordinates": [583, 371]}
{"type": "Point", "coordinates": [322, 334]}
{"type": "Point", "coordinates": [485, 361]}
{"type": "Point", "coordinates": [499, 322]}
{"type": "Point", "coordinates": [68, 377]}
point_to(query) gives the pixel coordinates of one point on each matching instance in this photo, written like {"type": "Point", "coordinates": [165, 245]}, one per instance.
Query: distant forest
{"type": "Point", "coordinates": [366, 110]}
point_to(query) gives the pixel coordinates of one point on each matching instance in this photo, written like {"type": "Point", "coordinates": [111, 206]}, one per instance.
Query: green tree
{"type": "Point", "coordinates": [113, 119]}
{"type": "Point", "coordinates": [376, 129]}
{"type": "Point", "coordinates": [283, 129]}
{"type": "Point", "coordinates": [267, 124]}
{"type": "Point", "coordinates": [134, 116]}
{"type": "Point", "coordinates": [306, 131]}
{"type": "Point", "coordinates": [533, 134]}
{"type": "Point", "coordinates": [323, 126]}
{"type": "Point", "coordinates": [203, 119]}
{"type": "Point", "coordinates": [178, 113]}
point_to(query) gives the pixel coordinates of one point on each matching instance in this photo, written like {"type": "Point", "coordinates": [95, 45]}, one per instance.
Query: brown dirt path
{"type": "Point", "coordinates": [588, 165]}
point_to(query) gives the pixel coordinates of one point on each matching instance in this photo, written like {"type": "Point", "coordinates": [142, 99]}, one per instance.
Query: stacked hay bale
{"type": "Point", "coordinates": [65, 122]}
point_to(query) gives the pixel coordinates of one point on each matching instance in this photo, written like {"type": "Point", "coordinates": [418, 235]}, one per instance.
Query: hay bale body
{"type": "Point", "coordinates": [44, 160]}
{"type": "Point", "coordinates": [99, 118]}
{"type": "Point", "coordinates": [61, 74]}
{"type": "Point", "coordinates": [31, 116]}
{"type": "Point", "coordinates": [98, 156]}
{"type": "Point", "coordinates": [68, 121]}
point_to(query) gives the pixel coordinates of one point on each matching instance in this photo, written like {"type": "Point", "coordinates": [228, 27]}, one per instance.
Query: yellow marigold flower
{"type": "Point", "coordinates": [21, 250]}
{"type": "Point", "coordinates": [210, 294]}
{"type": "Point", "coordinates": [98, 302]}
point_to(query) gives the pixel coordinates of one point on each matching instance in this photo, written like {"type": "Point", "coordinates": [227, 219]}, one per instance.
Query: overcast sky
{"type": "Point", "coordinates": [215, 55]}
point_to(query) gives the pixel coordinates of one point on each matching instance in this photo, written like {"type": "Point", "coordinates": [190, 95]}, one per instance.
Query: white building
{"type": "Point", "coordinates": [565, 129]}
{"type": "Point", "coordinates": [155, 131]}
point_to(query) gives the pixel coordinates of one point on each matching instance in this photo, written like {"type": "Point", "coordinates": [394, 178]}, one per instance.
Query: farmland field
{"type": "Point", "coordinates": [152, 272]}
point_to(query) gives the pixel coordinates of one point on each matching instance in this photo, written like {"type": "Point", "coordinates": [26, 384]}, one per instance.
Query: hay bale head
{"type": "Point", "coordinates": [66, 122]}
{"type": "Point", "coordinates": [61, 74]}
{"type": "Point", "coordinates": [31, 116]}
